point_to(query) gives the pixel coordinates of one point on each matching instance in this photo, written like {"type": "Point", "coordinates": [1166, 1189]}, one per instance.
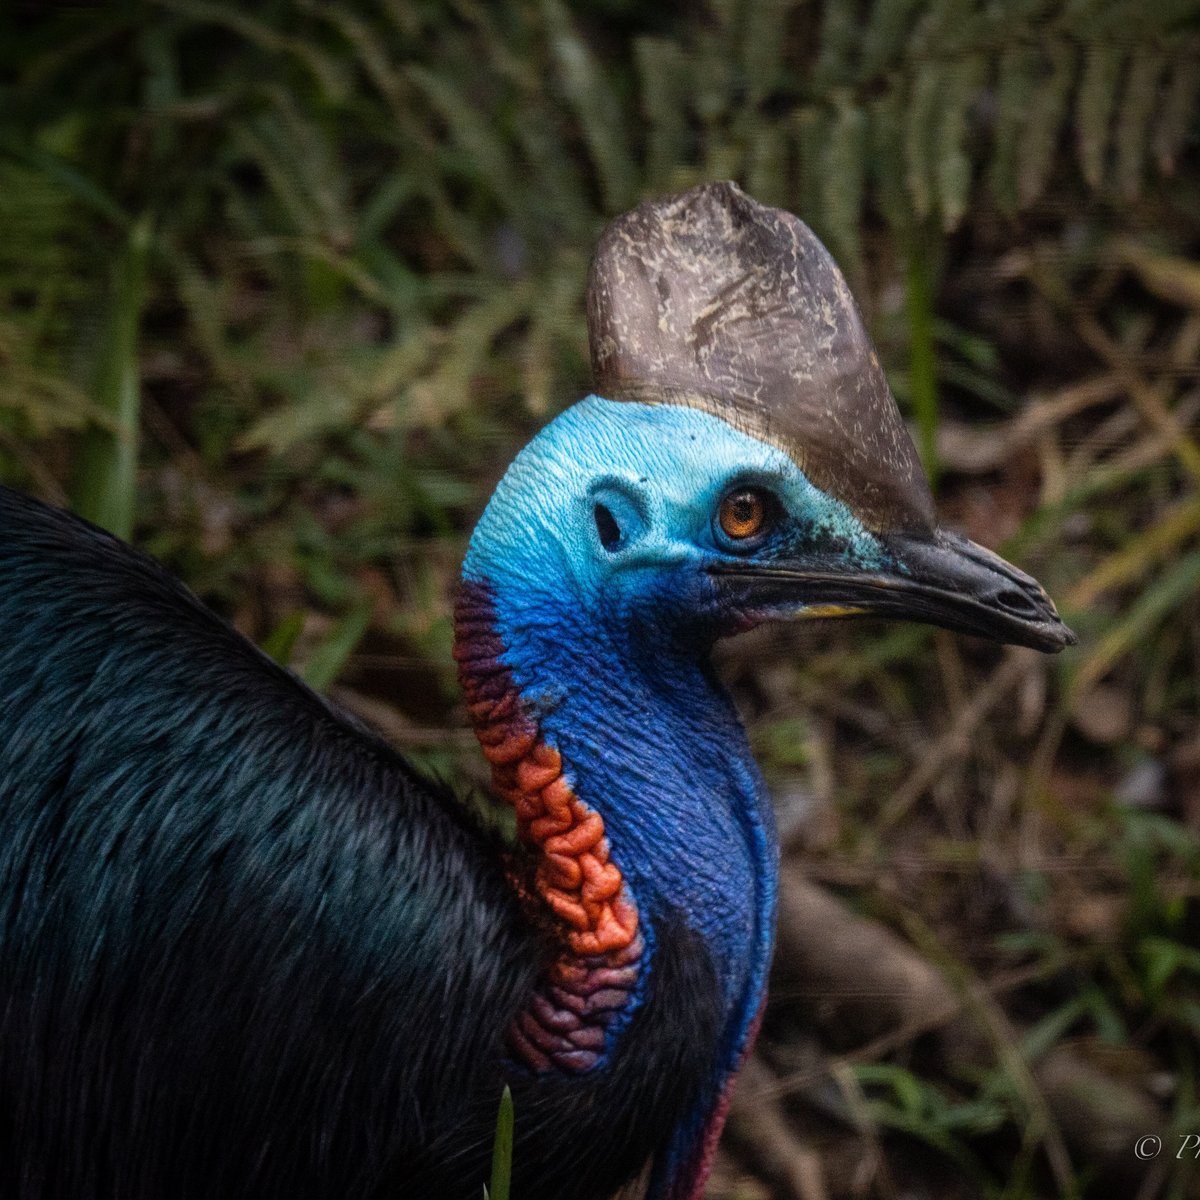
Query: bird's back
{"type": "Point", "coordinates": [244, 949]}
{"type": "Point", "coordinates": [231, 924]}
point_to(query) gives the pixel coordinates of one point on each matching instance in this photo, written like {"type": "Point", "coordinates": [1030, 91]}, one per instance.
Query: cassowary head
{"type": "Point", "coordinates": [743, 458]}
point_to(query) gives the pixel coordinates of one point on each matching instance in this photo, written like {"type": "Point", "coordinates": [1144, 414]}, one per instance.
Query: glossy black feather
{"type": "Point", "coordinates": [245, 950]}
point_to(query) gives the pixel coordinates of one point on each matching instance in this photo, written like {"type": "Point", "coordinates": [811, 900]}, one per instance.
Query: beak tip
{"type": "Point", "coordinates": [1050, 635]}
{"type": "Point", "coordinates": [1058, 635]}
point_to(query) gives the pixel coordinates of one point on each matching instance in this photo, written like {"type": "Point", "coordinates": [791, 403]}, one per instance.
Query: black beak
{"type": "Point", "coordinates": [939, 579]}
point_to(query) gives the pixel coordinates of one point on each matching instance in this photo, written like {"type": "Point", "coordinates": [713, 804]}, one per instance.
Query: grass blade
{"type": "Point", "coordinates": [281, 641]}
{"type": "Point", "coordinates": [328, 658]}
{"type": "Point", "coordinates": [502, 1148]}
{"type": "Point", "coordinates": [1138, 621]}
{"type": "Point", "coordinates": [922, 370]}
{"type": "Point", "coordinates": [106, 483]}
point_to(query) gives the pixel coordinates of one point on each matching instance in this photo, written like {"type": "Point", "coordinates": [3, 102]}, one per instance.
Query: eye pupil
{"type": "Point", "coordinates": [743, 513]}
{"type": "Point", "coordinates": [607, 527]}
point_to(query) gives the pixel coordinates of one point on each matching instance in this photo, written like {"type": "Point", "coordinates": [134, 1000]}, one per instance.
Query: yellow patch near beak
{"type": "Point", "coordinates": [829, 610]}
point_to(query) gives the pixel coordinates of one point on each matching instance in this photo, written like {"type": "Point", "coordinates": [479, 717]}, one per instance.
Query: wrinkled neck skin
{"type": "Point", "coordinates": [650, 740]}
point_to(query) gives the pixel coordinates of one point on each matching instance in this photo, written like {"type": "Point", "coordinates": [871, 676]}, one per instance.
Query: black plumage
{"type": "Point", "coordinates": [245, 949]}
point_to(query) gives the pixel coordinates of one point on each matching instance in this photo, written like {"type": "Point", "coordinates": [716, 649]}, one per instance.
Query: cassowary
{"type": "Point", "coordinates": [247, 951]}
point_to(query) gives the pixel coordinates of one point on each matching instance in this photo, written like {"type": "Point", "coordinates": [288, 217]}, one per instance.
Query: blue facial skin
{"type": "Point", "coordinates": [608, 644]}
{"type": "Point", "coordinates": [661, 471]}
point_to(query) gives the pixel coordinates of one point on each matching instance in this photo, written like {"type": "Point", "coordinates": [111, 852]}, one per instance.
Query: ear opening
{"type": "Point", "coordinates": [606, 526]}
{"type": "Point", "coordinates": [619, 513]}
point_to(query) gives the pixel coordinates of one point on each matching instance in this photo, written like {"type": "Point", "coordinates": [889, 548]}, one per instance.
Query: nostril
{"type": "Point", "coordinates": [1018, 603]}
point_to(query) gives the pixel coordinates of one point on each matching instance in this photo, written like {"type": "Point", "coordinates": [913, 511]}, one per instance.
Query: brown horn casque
{"type": "Point", "coordinates": [712, 300]}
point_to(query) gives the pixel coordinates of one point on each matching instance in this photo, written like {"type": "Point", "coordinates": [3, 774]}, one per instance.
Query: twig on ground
{"type": "Point", "coordinates": [956, 741]}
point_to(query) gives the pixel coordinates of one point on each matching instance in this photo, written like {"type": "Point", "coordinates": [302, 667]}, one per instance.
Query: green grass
{"type": "Point", "coordinates": [502, 1150]}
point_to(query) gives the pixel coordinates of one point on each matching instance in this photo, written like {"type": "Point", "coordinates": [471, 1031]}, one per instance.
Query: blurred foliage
{"type": "Point", "coordinates": [332, 256]}
{"type": "Point", "coordinates": [422, 184]}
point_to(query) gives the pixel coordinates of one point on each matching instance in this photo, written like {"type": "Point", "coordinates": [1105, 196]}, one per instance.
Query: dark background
{"type": "Point", "coordinates": [283, 287]}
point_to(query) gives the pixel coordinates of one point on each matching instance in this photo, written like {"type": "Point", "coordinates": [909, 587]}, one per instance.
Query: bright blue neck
{"type": "Point", "coordinates": [652, 742]}
{"type": "Point", "coordinates": [610, 654]}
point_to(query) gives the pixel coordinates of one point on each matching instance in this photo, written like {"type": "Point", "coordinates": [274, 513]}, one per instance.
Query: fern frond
{"type": "Point", "coordinates": [887, 32]}
{"type": "Point", "coordinates": [762, 43]}
{"type": "Point", "coordinates": [1138, 104]}
{"type": "Point", "coordinates": [448, 389]}
{"type": "Point", "coordinates": [1015, 78]}
{"type": "Point", "coordinates": [371, 52]}
{"type": "Point", "coordinates": [962, 83]}
{"type": "Point", "coordinates": [767, 164]}
{"type": "Point", "coordinates": [1179, 106]}
{"type": "Point", "coordinates": [663, 76]}
{"type": "Point", "coordinates": [844, 182]}
{"type": "Point", "coordinates": [1044, 122]}
{"type": "Point", "coordinates": [1094, 103]}
{"type": "Point", "coordinates": [558, 335]}
{"type": "Point", "coordinates": [840, 34]}
{"type": "Point", "coordinates": [924, 101]}
{"type": "Point", "coordinates": [596, 106]}
{"type": "Point", "coordinates": [330, 75]}
{"type": "Point", "coordinates": [471, 131]}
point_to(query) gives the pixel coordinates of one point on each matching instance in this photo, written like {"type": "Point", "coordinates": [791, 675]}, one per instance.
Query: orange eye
{"type": "Point", "coordinates": [743, 513]}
